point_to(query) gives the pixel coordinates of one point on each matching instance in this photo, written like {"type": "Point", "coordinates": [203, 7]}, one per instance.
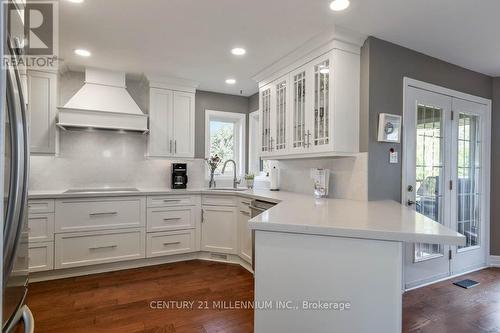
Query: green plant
{"type": "Point", "coordinates": [249, 176]}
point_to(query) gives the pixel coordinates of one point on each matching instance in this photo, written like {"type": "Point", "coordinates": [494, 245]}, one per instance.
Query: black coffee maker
{"type": "Point", "coordinates": [179, 175]}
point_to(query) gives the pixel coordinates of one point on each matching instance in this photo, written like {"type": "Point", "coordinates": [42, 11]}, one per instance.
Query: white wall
{"type": "Point", "coordinates": [101, 158]}
{"type": "Point", "coordinates": [348, 176]}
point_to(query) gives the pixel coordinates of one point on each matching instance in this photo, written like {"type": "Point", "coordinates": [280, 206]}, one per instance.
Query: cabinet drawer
{"type": "Point", "coordinates": [41, 257]}
{"type": "Point", "coordinates": [244, 205]}
{"type": "Point", "coordinates": [40, 206]}
{"type": "Point", "coordinates": [86, 248]}
{"type": "Point", "coordinates": [173, 200]}
{"type": "Point", "coordinates": [172, 218]}
{"type": "Point", "coordinates": [167, 243]}
{"type": "Point", "coordinates": [219, 200]}
{"type": "Point", "coordinates": [41, 227]}
{"type": "Point", "coordinates": [100, 214]}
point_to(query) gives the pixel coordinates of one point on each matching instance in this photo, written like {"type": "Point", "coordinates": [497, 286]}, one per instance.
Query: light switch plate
{"type": "Point", "coordinates": [393, 157]}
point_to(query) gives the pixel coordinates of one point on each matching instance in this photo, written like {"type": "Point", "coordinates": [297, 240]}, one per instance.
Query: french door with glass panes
{"type": "Point", "coordinates": [444, 179]}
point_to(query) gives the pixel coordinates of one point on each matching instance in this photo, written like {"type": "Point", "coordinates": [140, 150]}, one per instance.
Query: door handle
{"type": "Point", "coordinates": [411, 203]}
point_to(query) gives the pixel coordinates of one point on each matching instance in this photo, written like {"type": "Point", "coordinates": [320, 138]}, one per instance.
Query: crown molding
{"type": "Point", "coordinates": [334, 38]}
{"type": "Point", "coordinates": [172, 83]}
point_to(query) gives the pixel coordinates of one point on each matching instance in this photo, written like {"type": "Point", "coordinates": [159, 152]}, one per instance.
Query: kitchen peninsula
{"type": "Point", "coordinates": [336, 264]}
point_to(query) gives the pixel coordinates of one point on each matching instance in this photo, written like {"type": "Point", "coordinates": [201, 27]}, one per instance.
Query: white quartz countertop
{"type": "Point", "coordinates": [300, 213]}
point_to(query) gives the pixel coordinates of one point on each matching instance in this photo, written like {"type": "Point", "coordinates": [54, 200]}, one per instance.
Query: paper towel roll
{"type": "Point", "coordinates": [274, 178]}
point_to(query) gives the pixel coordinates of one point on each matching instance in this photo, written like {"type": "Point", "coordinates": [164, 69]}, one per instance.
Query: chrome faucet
{"type": "Point", "coordinates": [235, 180]}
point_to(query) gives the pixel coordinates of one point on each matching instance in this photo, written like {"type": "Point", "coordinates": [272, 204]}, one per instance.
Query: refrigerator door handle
{"type": "Point", "coordinates": [23, 314]}
{"type": "Point", "coordinates": [17, 195]}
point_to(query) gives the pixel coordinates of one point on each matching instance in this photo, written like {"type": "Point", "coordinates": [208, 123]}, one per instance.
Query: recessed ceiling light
{"type": "Point", "coordinates": [230, 81]}
{"type": "Point", "coordinates": [76, 1]}
{"type": "Point", "coordinates": [338, 5]}
{"type": "Point", "coordinates": [238, 51]}
{"type": "Point", "coordinates": [83, 53]}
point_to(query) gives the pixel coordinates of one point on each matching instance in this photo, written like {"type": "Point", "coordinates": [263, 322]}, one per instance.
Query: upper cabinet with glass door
{"type": "Point", "coordinates": [313, 110]}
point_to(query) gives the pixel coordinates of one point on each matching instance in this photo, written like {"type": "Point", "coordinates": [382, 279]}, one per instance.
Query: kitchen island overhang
{"type": "Point", "coordinates": [332, 265]}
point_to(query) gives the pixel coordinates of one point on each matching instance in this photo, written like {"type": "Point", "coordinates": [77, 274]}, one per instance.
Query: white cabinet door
{"type": "Point", "coordinates": [42, 99]}
{"type": "Point", "coordinates": [183, 124]}
{"type": "Point", "coordinates": [219, 229]}
{"type": "Point", "coordinates": [279, 114]}
{"type": "Point", "coordinates": [298, 106]}
{"type": "Point", "coordinates": [244, 236]}
{"type": "Point", "coordinates": [265, 123]}
{"type": "Point", "coordinates": [160, 120]}
{"type": "Point", "coordinates": [319, 132]}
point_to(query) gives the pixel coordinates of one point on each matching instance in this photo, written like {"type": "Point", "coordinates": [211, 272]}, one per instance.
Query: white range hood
{"type": "Point", "coordinates": [103, 102]}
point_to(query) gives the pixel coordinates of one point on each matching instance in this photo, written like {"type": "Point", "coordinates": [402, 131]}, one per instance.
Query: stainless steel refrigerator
{"type": "Point", "coordinates": [16, 316]}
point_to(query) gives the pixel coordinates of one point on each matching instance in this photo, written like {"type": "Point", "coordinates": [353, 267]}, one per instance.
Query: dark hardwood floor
{"type": "Point", "coordinates": [121, 302]}
{"type": "Point", "coordinates": [443, 307]}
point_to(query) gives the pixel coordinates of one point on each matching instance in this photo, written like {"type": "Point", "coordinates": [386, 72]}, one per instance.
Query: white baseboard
{"type": "Point", "coordinates": [118, 266]}
{"type": "Point", "coordinates": [447, 278]}
{"type": "Point", "coordinates": [494, 261]}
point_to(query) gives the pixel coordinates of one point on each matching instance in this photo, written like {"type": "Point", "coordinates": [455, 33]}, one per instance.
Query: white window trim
{"type": "Point", "coordinates": [241, 120]}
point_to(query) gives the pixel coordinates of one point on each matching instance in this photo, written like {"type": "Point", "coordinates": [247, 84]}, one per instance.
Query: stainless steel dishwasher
{"type": "Point", "coordinates": [257, 207]}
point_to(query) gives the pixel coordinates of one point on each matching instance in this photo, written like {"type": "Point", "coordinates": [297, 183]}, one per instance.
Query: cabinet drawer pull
{"type": "Point", "coordinates": [172, 200]}
{"type": "Point", "coordinates": [103, 247]}
{"type": "Point", "coordinates": [171, 219]}
{"type": "Point", "coordinates": [103, 214]}
{"type": "Point", "coordinates": [171, 243]}
{"type": "Point", "coordinates": [244, 213]}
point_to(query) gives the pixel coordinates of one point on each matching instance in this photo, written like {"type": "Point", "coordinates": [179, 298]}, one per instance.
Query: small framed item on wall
{"type": "Point", "coordinates": [389, 128]}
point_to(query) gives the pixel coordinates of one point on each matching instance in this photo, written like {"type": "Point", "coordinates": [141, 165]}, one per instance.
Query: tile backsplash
{"type": "Point", "coordinates": [348, 175]}
{"type": "Point", "coordinates": [101, 158]}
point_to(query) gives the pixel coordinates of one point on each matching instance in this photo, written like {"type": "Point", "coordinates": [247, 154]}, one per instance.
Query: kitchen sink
{"type": "Point", "coordinates": [239, 189]}
{"type": "Point", "coordinates": [103, 190]}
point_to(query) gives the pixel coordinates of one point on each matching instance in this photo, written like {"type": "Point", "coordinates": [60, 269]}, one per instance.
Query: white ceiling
{"type": "Point", "coordinates": [192, 39]}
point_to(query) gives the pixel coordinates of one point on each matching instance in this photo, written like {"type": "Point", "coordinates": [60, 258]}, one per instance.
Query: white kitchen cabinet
{"type": "Point", "coordinates": [172, 218]}
{"type": "Point", "coordinates": [42, 106]}
{"type": "Point", "coordinates": [41, 257]}
{"type": "Point", "coordinates": [169, 243]}
{"type": "Point", "coordinates": [183, 124]}
{"type": "Point", "coordinates": [313, 109]}
{"type": "Point", "coordinates": [244, 232]}
{"type": "Point", "coordinates": [219, 229]}
{"type": "Point", "coordinates": [41, 227]}
{"type": "Point", "coordinates": [160, 113]}
{"type": "Point", "coordinates": [171, 123]}
{"type": "Point", "coordinates": [90, 248]}
{"type": "Point", "coordinates": [99, 213]}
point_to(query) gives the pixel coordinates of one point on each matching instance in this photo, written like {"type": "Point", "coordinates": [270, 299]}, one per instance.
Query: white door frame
{"type": "Point", "coordinates": [409, 82]}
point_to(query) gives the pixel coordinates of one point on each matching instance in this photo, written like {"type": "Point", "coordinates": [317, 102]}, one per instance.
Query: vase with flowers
{"type": "Point", "coordinates": [213, 163]}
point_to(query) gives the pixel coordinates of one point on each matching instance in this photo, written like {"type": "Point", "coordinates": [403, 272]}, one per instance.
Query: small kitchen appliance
{"type": "Point", "coordinates": [179, 176]}
{"type": "Point", "coordinates": [321, 181]}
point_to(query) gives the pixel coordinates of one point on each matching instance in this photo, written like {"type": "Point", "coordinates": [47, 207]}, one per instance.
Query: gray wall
{"type": "Point", "coordinates": [495, 166]}
{"type": "Point", "coordinates": [218, 102]}
{"type": "Point", "coordinates": [253, 102]}
{"type": "Point", "coordinates": [387, 65]}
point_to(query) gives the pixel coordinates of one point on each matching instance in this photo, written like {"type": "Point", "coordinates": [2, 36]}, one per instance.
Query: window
{"type": "Point", "coordinates": [225, 137]}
